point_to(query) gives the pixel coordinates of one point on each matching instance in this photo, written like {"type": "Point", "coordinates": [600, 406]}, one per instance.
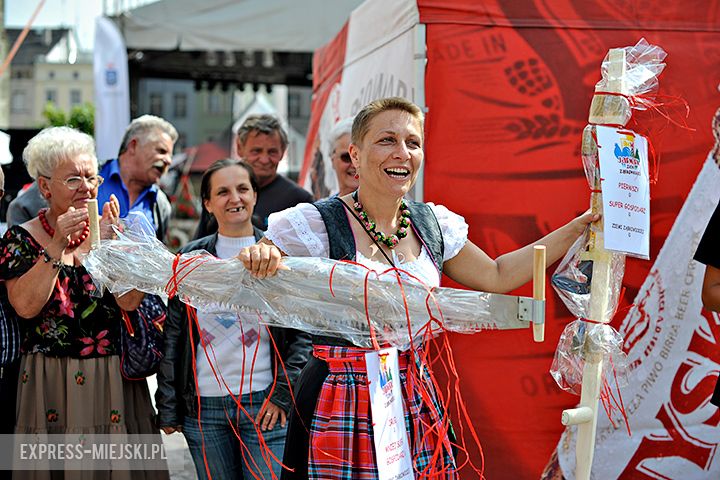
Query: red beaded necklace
{"type": "Point", "coordinates": [51, 231]}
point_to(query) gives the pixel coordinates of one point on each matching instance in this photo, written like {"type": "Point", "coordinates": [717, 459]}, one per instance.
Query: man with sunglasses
{"type": "Point", "coordinates": [344, 170]}
{"type": "Point", "coordinates": [145, 155]}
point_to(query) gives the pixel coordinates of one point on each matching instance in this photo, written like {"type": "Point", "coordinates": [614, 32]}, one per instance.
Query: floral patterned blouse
{"type": "Point", "coordinates": [74, 322]}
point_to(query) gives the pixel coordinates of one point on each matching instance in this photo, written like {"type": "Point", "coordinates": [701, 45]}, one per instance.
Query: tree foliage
{"type": "Point", "coordinates": [81, 117]}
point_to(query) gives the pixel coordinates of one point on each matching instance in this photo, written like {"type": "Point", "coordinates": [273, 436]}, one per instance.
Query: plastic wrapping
{"type": "Point", "coordinates": [579, 342]}
{"type": "Point", "coordinates": [573, 277]}
{"type": "Point", "coordinates": [636, 79]}
{"type": "Point", "coordinates": [319, 296]}
{"type": "Point", "coordinates": [643, 64]}
{"type": "Point", "coordinates": [629, 81]}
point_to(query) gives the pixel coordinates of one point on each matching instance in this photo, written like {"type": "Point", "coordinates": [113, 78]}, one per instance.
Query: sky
{"type": "Point", "coordinates": [79, 14]}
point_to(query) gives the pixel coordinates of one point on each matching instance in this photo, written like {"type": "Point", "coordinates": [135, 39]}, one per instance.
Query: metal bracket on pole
{"type": "Point", "coordinates": [531, 310]}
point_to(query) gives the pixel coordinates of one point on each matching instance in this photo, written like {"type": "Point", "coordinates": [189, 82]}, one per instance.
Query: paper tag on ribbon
{"type": "Point", "coordinates": [626, 190]}
{"type": "Point", "coordinates": [392, 447]}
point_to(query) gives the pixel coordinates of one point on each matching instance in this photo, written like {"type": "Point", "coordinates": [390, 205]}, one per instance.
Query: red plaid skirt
{"type": "Point", "coordinates": [341, 435]}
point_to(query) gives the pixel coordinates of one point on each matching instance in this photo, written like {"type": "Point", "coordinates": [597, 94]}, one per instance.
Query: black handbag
{"type": "Point", "coordinates": [141, 339]}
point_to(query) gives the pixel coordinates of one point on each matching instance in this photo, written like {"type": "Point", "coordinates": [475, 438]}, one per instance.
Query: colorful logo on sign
{"type": "Point", "coordinates": [111, 75]}
{"type": "Point", "coordinates": [627, 155]}
{"type": "Point", "coordinates": [385, 372]}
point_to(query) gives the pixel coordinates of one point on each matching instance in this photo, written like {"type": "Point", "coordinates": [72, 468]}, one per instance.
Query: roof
{"type": "Point", "coordinates": [204, 155]}
{"type": "Point", "coordinates": [38, 42]}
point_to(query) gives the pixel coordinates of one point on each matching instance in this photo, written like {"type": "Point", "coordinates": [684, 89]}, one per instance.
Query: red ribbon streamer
{"type": "Point", "coordinates": [439, 432]}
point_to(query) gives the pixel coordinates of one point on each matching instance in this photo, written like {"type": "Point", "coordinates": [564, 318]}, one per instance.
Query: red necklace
{"type": "Point", "coordinates": [51, 231]}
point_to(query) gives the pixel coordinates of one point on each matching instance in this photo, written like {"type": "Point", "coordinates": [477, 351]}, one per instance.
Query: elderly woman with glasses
{"type": "Point", "coordinates": [70, 379]}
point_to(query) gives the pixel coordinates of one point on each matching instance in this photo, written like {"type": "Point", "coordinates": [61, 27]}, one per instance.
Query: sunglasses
{"type": "Point", "coordinates": [345, 157]}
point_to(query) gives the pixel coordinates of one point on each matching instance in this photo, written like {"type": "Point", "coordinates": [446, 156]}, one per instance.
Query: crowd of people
{"type": "Point", "coordinates": [251, 401]}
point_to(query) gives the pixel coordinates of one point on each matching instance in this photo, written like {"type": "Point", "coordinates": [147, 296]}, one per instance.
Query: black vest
{"type": "Point", "coordinates": [342, 241]}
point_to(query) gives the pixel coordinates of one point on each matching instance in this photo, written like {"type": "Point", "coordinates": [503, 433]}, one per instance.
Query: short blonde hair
{"type": "Point", "coordinates": [361, 124]}
{"type": "Point", "coordinates": [54, 145]}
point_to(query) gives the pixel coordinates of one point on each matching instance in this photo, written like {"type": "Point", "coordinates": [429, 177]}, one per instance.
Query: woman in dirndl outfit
{"type": "Point", "coordinates": [331, 437]}
{"type": "Point", "coordinates": [70, 381]}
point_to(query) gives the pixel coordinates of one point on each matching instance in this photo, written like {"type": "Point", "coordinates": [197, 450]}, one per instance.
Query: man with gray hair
{"type": "Point", "coordinates": [145, 155]}
{"type": "Point", "coordinates": [262, 142]}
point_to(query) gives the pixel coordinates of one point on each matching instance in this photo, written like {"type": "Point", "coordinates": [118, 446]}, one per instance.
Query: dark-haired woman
{"type": "Point", "coordinates": [216, 381]}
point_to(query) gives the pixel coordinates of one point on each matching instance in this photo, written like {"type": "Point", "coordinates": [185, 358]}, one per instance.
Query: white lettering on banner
{"type": "Point", "coordinates": [392, 447]}
{"type": "Point", "coordinates": [387, 71]}
{"type": "Point", "coordinates": [673, 347]}
{"type": "Point", "coordinates": [379, 86]}
{"type": "Point", "coordinates": [625, 190]}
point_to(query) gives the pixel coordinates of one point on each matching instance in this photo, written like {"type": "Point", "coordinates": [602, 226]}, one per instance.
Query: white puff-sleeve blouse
{"type": "Point", "coordinates": [300, 232]}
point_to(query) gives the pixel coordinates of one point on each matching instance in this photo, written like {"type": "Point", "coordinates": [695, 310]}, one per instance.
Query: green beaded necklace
{"type": "Point", "coordinates": [380, 237]}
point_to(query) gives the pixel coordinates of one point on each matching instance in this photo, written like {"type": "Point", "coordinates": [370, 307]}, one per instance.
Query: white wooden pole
{"type": "Point", "coordinates": [539, 287]}
{"type": "Point", "coordinates": [608, 110]}
{"type": "Point", "coordinates": [94, 222]}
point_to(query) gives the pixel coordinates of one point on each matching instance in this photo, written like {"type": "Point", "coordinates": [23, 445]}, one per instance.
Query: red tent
{"type": "Point", "coordinates": [507, 88]}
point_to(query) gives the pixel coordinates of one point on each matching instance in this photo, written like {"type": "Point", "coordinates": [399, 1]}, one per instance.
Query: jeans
{"type": "Point", "coordinates": [227, 457]}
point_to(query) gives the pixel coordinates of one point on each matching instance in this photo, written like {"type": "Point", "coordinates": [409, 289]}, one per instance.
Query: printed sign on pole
{"type": "Point", "coordinates": [625, 190]}
{"type": "Point", "coordinates": [392, 447]}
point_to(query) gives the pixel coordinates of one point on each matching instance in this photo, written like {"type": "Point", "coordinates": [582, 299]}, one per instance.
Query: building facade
{"type": "Point", "coordinates": [48, 67]}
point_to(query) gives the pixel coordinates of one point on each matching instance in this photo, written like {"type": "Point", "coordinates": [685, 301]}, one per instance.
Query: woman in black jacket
{"type": "Point", "coordinates": [220, 382]}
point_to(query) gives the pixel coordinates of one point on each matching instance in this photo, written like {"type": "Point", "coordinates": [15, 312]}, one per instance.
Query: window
{"type": "Point", "coordinates": [156, 104]}
{"type": "Point", "coordinates": [17, 102]}
{"type": "Point", "coordinates": [51, 95]}
{"type": "Point", "coordinates": [75, 97]}
{"type": "Point", "coordinates": [76, 75]}
{"type": "Point", "coordinates": [51, 75]}
{"type": "Point", "coordinates": [180, 105]}
{"type": "Point", "coordinates": [21, 73]}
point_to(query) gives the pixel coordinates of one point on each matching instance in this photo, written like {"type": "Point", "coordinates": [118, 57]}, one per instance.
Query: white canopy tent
{"type": "Point", "coordinates": [232, 25]}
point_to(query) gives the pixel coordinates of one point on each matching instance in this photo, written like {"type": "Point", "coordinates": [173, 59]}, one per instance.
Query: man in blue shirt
{"type": "Point", "coordinates": [145, 155]}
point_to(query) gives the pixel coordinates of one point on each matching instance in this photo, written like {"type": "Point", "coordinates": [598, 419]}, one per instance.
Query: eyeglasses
{"type": "Point", "coordinates": [345, 157]}
{"type": "Point", "coordinates": [73, 183]}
